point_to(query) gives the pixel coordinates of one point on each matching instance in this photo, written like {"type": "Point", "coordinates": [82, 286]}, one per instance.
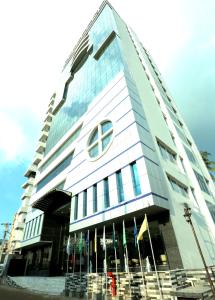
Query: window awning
{"type": "Point", "coordinates": [53, 200]}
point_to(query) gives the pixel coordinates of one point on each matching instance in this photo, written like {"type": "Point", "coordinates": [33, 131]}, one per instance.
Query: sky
{"type": "Point", "coordinates": [37, 36]}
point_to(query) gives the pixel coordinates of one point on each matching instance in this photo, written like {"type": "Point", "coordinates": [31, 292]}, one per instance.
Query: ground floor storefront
{"type": "Point", "coordinates": [108, 247]}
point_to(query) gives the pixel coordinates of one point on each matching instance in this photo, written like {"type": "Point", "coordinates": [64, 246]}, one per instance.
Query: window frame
{"type": "Point", "coordinates": [99, 141]}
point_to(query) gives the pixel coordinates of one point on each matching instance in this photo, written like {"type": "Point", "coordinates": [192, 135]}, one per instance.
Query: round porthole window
{"type": "Point", "coordinates": [100, 139]}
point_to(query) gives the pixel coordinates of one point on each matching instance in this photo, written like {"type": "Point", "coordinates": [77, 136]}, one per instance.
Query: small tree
{"type": "Point", "coordinates": [209, 163]}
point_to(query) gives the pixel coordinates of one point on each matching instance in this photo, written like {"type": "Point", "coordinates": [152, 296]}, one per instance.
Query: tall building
{"type": "Point", "coordinates": [114, 147]}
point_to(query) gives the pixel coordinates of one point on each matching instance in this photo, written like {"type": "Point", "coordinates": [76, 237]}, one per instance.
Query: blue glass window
{"type": "Point", "coordinates": [178, 187]}
{"type": "Point", "coordinates": [57, 170]}
{"type": "Point", "coordinates": [202, 183]}
{"type": "Point", "coordinates": [119, 183]}
{"type": "Point", "coordinates": [95, 198]}
{"type": "Point", "coordinates": [38, 225]}
{"type": "Point", "coordinates": [106, 193]}
{"type": "Point", "coordinates": [85, 203]}
{"type": "Point", "coordinates": [135, 179]}
{"type": "Point", "coordinates": [76, 207]}
{"type": "Point", "coordinates": [106, 126]}
{"type": "Point", "coordinates": [106, 141]}
{"type": "Point", "coordinates": [89, 80]}
{"type": "Point", "coordinates": [100, 138]}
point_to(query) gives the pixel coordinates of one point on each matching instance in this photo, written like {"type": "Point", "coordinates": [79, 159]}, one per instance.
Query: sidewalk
{"type": "Point", "coordinates": [9, 293]}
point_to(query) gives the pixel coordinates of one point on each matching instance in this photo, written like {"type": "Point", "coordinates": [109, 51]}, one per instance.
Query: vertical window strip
{"type": "Point", "coordinates": [31, 226]}
{"type": "Point", "coordinates": [202, 182]}
{"type": "Point", "coordinates": [35, 225]}
{"type": "Point", "coordinates": [106, 193]}
{"type": "Point", "coordinates": [38, 226]}
{"type": "Point", "coordinates": [26, 230]}
{"type": "Point", "coordinates": [85, 203]}
{"type": "Point", "coordinates": [76, 207]}
{"type": "Point", "coordinates": [135, 179]}
{"type": "Point", "coordinates": [119, 183]}
{"type": "Point", "coordinates": [95, 198]}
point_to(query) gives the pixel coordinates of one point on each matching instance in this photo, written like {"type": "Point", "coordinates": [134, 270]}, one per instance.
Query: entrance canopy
{"type": "Point", "coordinates": [53, 200]}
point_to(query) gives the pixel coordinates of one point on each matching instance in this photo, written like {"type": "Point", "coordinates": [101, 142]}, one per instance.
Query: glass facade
{"type": "Point", "coordinates": [57, 170]}
{"type": "Point", "coordinates": [90, 79]}
{"type": "Point", "coordinates": [60, 150]}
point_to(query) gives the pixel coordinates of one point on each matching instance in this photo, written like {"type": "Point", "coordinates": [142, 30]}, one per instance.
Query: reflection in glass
{"type": "Point", "coordinates": [94, 137]}
{"type": "Point", "coordinates": [94, 151]}
{"type": "Point", "coordinates": [105, 141]}
{"type": "Point", "coordinates": [106, 126]}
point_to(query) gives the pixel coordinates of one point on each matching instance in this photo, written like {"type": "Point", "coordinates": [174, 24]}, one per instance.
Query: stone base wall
{"type": "Point", "coordinates": [135, 285]}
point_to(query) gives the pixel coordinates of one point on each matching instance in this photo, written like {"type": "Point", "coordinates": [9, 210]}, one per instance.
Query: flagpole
{"type": "Point", "coordinates": [117, 277]}
{"type": "Point", "coordinates": [156, 272]}
{"type": "Point", "coordinates": [80, 250]}
{"type": "Point", "coordinates": [95, 246]}
{"type": "Point", "coordinates": [126, 255]}
{"type": "Point", "coordinates": [74, 254]}
{"type": "Point", "coordinates": [88, 251]}
{"type": "Point", "coordinates": [105, 264]}
{"type": "Point", "coordinates": [67, 263]}
{"type": "Point", "coordinates": [88, 261]}
{"type": "Point", "coordinates": [141, 265]}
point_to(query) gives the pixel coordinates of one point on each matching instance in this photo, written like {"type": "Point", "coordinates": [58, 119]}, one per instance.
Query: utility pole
{"type": "Point", "coordinates": [6, 230]}
{"type": "Point", "coordinates": [187, 215]}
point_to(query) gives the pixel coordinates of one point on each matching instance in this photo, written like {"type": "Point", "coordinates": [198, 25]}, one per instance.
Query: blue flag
{"type": "Point", "coordinates": [135, 234]}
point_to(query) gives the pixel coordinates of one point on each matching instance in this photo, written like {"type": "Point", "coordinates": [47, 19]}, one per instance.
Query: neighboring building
{"type": "Point", "coordinates": [113, 147]}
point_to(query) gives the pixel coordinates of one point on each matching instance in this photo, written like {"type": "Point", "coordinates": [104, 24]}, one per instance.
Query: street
{"type": "Point", "coordinates": [9, 293]}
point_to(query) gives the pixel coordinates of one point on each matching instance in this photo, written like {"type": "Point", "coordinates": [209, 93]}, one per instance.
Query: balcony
{"type": "Point", "coordinates": [31, 171]}
{"type": "Point", "coordinates": [22, 210]}
{"type": "Point", "coordinates": [37, 159]}
{"type": "Point", "coordinates": [26, 194]}
{"type": "Point", "coordinates": [49, 110]}
{"type": "Point", "coordinates": [30, 181]}
{"type": "Point", "coordinates": [46, 126]}
{"type": "Point", "coordinates": [19, 225]}
{"type": "Point", "coordinates": [48, 117]}
{"type": "Point", "coordinates": [44, 136]}
{"type": "Point", "coordinates": [41, 147]}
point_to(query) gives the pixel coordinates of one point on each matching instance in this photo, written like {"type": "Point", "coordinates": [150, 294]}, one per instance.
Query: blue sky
{"type": "Point", "coordinates": [36, 38]}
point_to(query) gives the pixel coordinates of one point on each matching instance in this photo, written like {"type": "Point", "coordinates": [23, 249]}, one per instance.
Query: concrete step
{"type": "Point", "coordinates": [44, 285]}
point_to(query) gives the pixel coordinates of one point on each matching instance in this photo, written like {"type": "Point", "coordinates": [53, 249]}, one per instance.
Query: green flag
{"type": "Point", "coordinates": [124, 242]}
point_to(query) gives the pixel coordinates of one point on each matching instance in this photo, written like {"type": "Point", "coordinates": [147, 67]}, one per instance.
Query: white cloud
{"type": "Point", "coordinates": [13, 141]}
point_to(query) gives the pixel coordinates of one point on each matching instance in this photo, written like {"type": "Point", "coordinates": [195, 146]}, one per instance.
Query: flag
{"type": "Point", "coordinates": [80, 246]}
{"type": "Point", "coordinates": [87, 241]}
{"type": "Point", "coordinates": [124, 242]}
{"type": "Point", "coordinates": [114, 237]}
{"type": "Point", "coordinates": [95, 241]}
{"type": "Point", "coordinates": [69, 246]}
{"type": "Point", "coordinates": [143, 228]}
{"type": "Point", "coordinates": [104, 240]}
{"type": "Point", "coordinates": [135, 234]}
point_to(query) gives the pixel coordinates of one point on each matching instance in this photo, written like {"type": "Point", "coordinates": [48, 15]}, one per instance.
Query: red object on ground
{"type": "Point", "coordinates": [113, 283]}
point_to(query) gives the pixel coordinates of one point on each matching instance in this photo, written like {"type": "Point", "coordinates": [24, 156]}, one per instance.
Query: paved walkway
{"type": "Point", "coordinates": [8, 293]}
{"type": "Point", "coordinates": [43, 285]}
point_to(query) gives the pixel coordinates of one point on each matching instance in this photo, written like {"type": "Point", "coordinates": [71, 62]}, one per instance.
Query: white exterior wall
{"type": "Point", "coordinates": [201, 217]}
{"type": "Point", "coordinates": [130, 103]}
